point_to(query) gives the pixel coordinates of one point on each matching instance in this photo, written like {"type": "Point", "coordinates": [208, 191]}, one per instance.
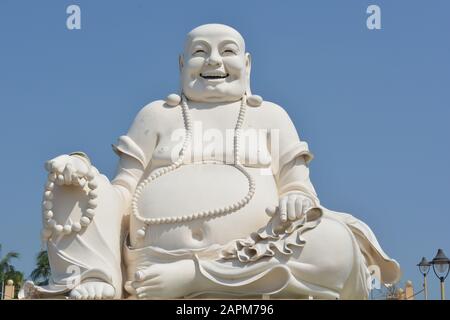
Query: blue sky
{"type": "Point", "coordinates": [372, 104]}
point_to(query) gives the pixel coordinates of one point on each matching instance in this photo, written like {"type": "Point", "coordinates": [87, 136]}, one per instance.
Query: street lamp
{"type": "Point", "coordinates": [441, 265]}
{"type": "Point", "coordinates": [424, 267]}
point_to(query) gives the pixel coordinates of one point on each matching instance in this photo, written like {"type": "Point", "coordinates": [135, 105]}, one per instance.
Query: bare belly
{"type": "Point", "coordinates": [199, 187]}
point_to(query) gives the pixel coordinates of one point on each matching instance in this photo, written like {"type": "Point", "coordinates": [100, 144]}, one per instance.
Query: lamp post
{"type": "Point", "coordinates": [441, 266]}
{"type": "Point", "coordinates": [424, 268]}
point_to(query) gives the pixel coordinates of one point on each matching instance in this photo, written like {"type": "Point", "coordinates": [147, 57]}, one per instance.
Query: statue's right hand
{"type": "Point", "coordinates": [69, 169]}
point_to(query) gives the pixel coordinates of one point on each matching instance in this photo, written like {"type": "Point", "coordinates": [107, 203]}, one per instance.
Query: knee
{"type": "Point", "coordinates": [330, 253]}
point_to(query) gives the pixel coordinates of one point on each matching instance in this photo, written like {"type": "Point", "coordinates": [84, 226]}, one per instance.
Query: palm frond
{"type": "Point", "coordinates": [41, 273]}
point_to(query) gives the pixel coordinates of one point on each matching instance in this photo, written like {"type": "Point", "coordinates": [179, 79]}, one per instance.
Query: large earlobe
{"type": "Point", "coordinates": [180, 62]}
{"type": "Point", "coordinates": [252, 100]}
{"type": "Point", "coordinates": [248, 68]}
{"type": "Point", "coordinates": [248, 63]}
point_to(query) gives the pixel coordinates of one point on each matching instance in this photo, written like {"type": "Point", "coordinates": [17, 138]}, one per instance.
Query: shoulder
{"type": "Point", "coordinates": [151, 110]}
{"type": "Point", "coordinates": [148, 120]}
{"type": "Point", "coordinates": [155, 114]}
{"type": "Point", "coordinates": [274, 113]}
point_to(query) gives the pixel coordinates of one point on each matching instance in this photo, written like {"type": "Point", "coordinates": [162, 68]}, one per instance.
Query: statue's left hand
{"type": "Point", "coordinates": [291, 207]}
{"type": "Point", "coordinates": [166, 280]}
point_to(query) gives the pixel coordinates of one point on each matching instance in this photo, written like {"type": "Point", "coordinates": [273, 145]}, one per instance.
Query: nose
{"type": "Point", "coordinates": [214, 59]}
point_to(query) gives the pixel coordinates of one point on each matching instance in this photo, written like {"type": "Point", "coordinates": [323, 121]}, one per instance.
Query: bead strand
{"type": "Point", "coordinates": [159, 172]}
{"type": "Point", "coordinates": [51, 226]}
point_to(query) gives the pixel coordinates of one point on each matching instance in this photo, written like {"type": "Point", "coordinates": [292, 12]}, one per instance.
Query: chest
{"type": "Point", "coordinates": [213, 139]}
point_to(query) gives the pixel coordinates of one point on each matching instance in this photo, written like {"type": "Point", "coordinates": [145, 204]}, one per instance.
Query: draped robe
{"type": "Point", "coordinates": [325, 254]}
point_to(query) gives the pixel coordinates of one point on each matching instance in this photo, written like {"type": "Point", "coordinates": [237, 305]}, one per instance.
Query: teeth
{"type": "Point", "coordinates": [214, 74]}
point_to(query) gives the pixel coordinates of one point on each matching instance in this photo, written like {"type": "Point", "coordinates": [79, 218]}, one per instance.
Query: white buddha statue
{"type": "Point", "coordinates": [212, 198]}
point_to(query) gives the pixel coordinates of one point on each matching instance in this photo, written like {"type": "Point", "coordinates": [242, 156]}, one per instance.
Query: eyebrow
{"type": "Point", "coordinates": [229, 41]}
{"type": "Point", "coordinates": [206, 43]}
{"type": "Point", "coordinates": [197, 42]}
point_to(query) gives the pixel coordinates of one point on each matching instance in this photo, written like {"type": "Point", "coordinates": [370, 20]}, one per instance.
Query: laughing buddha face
{"type": "Point", "coordinates": [214, 65]}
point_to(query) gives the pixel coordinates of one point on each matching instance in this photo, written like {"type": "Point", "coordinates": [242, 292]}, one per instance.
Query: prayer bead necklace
{"type": "Point", "coordinates": [51, 226]}
{"type": "Point", "coordinates": [175, 165]}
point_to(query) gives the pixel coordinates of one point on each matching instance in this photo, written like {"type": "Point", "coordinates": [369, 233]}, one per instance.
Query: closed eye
{"type": "Point", "coordinates": [199, 51]}
{"type": "Point", "coordinates": [229, 51]}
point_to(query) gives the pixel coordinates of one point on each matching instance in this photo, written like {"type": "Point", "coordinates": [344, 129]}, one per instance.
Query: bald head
{"type": "Point", "coordinates": [214, 30]}
{"type": "Point", "coordinates": [214, 65]}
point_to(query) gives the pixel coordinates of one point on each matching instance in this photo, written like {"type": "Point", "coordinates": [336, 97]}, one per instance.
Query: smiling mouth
{"type": "Point", "coordinates": [214, 76]}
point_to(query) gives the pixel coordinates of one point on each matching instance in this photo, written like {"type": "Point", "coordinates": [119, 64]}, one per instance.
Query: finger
{"type": "Point", "coordinates": [67, 173]}
{"type": "Point", "coordinates": [58, 164]}
{"type": "Point", "coordinates": [145, 274]}
{"type": "Point", "coordinates": [291, 209]}
{"type": "Point", "coordinates": [75, 179]}
{"type": "Point", "coordinates": [54, 166]}
{"type": "Point", "coordinates": [60, 180]}
{"type": "Point", "coordinates": [298, 207]}
{"type": "Point", "coordinates": [270, 211]}
{"type": "Point", "coordinates": [307, 204]}
{"type": "Point", "coordinates": [82, 182]}
{"type": "Point", "coordinates": [80, 164]}
{"type": "Point", "coordinates": [108, 292]}
{"type": "Point", "coordinates": [282, 207]}
{"type": "Point", "coordinates": [83, 170]}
